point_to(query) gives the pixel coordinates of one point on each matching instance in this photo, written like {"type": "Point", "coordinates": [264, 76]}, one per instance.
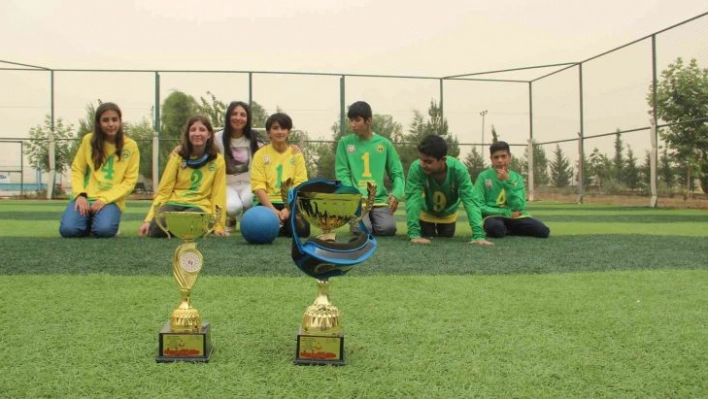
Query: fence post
{"type": "Point", "coordinates": [652, 163]}
{"type": "Point", "coordinates": [581, 172]}
{"type": "Point", "coordinates": [52, 148]}
{"type": "Point", "coordinates": [529, 151]}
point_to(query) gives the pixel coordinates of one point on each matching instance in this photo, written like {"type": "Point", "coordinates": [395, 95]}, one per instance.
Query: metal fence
{"type": "Point", "coordinates": [571, 111]}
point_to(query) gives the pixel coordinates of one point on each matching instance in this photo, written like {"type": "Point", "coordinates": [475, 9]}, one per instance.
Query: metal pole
{"type": "Point", "coordinates": [342, 105]}
{"type": "Point", "coordinates": [654, 154]}
{"type": "Point", "coordinates": [156, 136]}
{"type": "Point", "coordinates": [442, 114]}
{"type": "Point", "coordinates": [52, 147]}
{"type": "Point", "coordinates": [483, 113]}
{"type": "Point", "coordinates": [581, 134]}
{"type": "Point", "coordinates": [250, 89]}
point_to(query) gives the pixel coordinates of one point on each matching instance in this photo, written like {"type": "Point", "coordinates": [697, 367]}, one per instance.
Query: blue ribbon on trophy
{"type": "Point", "coordinates": [328, 205]}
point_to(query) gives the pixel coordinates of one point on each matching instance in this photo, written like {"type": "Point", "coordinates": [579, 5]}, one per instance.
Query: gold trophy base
{"type": "Point", "coordinates": [193, 347]}
{"type": "Point", "coordinates": [319, 350]}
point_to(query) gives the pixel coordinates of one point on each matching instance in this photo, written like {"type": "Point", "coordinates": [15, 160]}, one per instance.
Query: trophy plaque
{"type": "Point", "coordinates": [328, 205]}
{"type": "Point", "coordinates": [185, 337]}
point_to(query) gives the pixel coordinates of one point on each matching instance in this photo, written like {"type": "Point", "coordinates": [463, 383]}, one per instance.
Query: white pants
{"type": "Point", "coordinates": [238, 199]}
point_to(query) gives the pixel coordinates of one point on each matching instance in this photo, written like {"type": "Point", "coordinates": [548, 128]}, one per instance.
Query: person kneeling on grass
{"type": "Point", "coordinates": [273, 165]}
{"type": "Point", "coordinates": [193, 181]}
{"type": "Point", "coordinates": [103, 174]}
{"type": "Point", "coordinates": [505, 198]}
{"type": "Point", "coordinates": [436, 185]}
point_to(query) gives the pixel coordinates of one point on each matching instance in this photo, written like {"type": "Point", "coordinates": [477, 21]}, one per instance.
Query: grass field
{"type": "Point", "coordinates": [614, 304]}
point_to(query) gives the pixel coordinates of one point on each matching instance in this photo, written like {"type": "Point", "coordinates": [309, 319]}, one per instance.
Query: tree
{"type": "Point", "coordinates": [177, 108]}
{"type": "Point", "coordinates": [258, 115]}
{"type": "Point", "coordinates": [142, 132]}
{"type": "Point", "coordinates": [645, 172]}
{"type": "Point", "coordinates": [495, 136]}
{"type": "Point", "coordinates": [601, 167]}
{"type": "Point", "coordinates": [681, 98]}
{"type": "Point", "coordinates": [85, 127]}
{"type": "Point", "coordinates": [38, 145]}
{"type": "Point", "coordinates": [540, 165]}
{"type": "Point", "coordinates": [618, 160]}
{"type": "Point", "coordinates": [474, 163]}
{"type": "Point", "coordinates": [560, 169]}
{"type": "Point", "coordinates": [213, 109]}
{"type": "Point", "coordinates": [631, 172]}
{"type": "Point", "coordinates": [420, 127]}
{"type": "Point", "coordinates": [665, 169]}
{"type": "Point", "coordinates": [587, 172]}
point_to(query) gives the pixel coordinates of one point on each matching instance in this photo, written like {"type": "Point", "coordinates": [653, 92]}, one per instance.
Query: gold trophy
{"type": "Point", "coordinates": [184, 337]}
{"type": "Point", "coordinates": [328, 205]}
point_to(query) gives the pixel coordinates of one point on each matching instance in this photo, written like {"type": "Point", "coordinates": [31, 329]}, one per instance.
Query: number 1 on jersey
{"type": "Point", "coordinates": [367, 166]}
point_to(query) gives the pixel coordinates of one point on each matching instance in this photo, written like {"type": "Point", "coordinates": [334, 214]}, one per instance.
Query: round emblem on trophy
{"type": "Point", "coordinates": [191, 261]}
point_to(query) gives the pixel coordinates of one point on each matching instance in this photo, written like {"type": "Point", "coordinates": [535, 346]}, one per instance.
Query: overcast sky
{"type": "Point", "coordinates": [393, 37]}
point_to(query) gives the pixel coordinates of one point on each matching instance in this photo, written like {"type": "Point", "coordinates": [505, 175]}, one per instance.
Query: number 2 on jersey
{"type": "Point", "coordinates": [196, 179]}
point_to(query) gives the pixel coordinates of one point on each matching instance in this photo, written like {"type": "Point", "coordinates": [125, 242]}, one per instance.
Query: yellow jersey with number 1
{"type": "Point", "coordinates": [271, 168]}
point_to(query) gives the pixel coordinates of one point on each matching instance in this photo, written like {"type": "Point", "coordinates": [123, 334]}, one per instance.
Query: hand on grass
{"type": "Point", "coordinates": [420, 240]}
{"type": "Point", "coordinates": [144, 229]}
{"type": "Point", "coordinates": [482, 243]}
{"type": "Point", "coordinates": [220, 233]}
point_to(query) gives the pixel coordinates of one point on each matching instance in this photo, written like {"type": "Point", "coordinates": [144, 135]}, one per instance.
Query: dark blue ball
{"type": "Point", "coordinates": [259, 225]}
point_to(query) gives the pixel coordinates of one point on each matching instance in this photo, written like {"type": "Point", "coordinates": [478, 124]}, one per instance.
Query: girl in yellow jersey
{"type": "Point", "coordinates": [194, 179]}
{"type": "Point", "coordinates": [274, 164]}
{"type": "Point", "coordinates": [103, 173]}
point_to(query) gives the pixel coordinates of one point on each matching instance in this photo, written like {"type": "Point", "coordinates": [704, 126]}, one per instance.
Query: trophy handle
{"type": "Point", "coordinates": [158, 219]}
{"type": "Point", "coordinates": [368, 203]}
{"type": "Point", "coordinates": [213, 220]}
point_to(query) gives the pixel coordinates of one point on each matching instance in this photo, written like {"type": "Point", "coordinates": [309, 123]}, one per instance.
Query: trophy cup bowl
{"type": "Point", "coordinates": [184, 337]}
{"type": "Point", "coordinates": [328, 211]}
{"type": "Point", "coordinates": [328, 205]}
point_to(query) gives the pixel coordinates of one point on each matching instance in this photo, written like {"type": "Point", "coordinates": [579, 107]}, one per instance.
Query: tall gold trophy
{"type": "Point", "coordinates": [185, 337]}
{"type": "Point", "coordinates": [328, 205]}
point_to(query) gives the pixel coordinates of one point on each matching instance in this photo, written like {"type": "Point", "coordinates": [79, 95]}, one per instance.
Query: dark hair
{"type": "Point", "coordinates": [250, 134]}
{"type": "Point", "coordinates": [186, 147]}
{"type": "Point", "coordinates": [282, 119]}
{"type": "Point", "coordinates": [499, 146]}
{"type": "Point", "coordinates": [434, 146]}
{"type": "Point", "coordinates": [359, 109]}
{"type": "Point", "coordinates": [98, 156]}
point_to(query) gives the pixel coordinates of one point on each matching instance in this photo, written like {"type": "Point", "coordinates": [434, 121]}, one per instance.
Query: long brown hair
{"type": "Point", "coordinates": [98, 140]}
{"type": "Point", "coordinates": [186, 147]}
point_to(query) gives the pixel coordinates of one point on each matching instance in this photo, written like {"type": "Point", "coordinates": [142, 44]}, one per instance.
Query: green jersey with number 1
{"type": "Point", "coordinates": [360, 161]}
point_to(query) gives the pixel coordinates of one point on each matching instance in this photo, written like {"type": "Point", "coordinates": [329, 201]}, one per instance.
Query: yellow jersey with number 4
{"type": "Point", "coordinates": [114, 180]}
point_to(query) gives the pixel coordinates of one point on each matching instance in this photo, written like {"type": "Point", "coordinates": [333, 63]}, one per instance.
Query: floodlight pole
{"type": "Point", "coordinates": [483, 114]}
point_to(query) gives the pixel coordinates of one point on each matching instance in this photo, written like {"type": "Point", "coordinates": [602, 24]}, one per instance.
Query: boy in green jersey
{"type": "Point", "coordinates": [367, 157]}
{"type": "Point", "coordinates": [504, 207]}
{"type": "Point", "coordinates": [436, 186]}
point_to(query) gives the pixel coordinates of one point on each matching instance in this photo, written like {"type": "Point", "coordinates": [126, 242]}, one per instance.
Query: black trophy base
{"type": "Point", "coordinates": [193, 347]}
{"type": "Point", "coordinates": [319, 350]}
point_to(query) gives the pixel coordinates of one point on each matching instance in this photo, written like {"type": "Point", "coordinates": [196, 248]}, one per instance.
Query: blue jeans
{"type": "Point", "coordinates": [104, 223]}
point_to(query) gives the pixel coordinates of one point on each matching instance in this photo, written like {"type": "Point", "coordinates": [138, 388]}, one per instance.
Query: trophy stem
{"type": "Point", "coordinates": [327, 235]}
{"type": "Point", "coordinates": [322, 318]}
{"type": "Point", "coordinates": [185, 318]}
